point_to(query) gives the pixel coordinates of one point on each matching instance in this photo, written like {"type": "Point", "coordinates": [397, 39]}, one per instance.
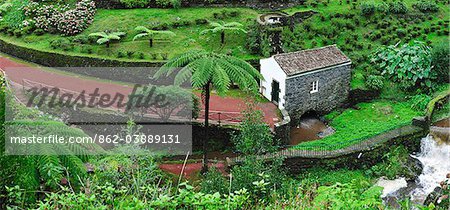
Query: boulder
{"type": "Point", "coordinates": [420, 122]}
{"type": "Point", "coordinates": [413, 169]}
{"type": "Point", "coordinates": [433, 196]}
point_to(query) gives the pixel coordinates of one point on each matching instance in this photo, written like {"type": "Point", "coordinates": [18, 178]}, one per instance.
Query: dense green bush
{"type": "Point", "coordinates": [398, 7]}
{"type": "Point", "coordinates": [374, 82]}
{"type": "Point", "coordinates": [420, 102]}
{"type": "Point", "coordinates": [214, 181]}
{"type": "Point", "coordinates": [135, 3]}
{"type": "Point", "coordinates": [426, 6]}
{"type": "Point", "coordinates": [163, 3]}
{"type": "Point", "coordinates": [16, 15]}
{"type": "Point", "coordinates": [367, 9]}
{"type": "Point", "coordinates": [61, 44]}
{"type": "Point", "coordinates": [440, 55]}
{"type": "Point", "coordinates": [409, 65]}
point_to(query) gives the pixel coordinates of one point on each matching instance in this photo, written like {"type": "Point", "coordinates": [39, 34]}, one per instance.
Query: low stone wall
{"type": "Point", "coordinates": [136, 75]}
{"type": "Point", "coordinates": [282, 129]}
{"type": "Point", "coordinates": [364, 158]}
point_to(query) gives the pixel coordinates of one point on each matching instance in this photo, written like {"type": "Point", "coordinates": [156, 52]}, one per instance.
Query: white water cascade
{"type": "Point", "coordinates": [435, 158]}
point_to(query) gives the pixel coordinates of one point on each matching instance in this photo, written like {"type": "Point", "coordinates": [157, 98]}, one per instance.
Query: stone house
{"type": "Point", "coordinates": [308, 80]}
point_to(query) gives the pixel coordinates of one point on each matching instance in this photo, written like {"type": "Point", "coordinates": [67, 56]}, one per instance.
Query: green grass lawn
{"type": "Point", "coordinates": [370, 119]}
{"type": "Point", "coordinates": [188, 37]}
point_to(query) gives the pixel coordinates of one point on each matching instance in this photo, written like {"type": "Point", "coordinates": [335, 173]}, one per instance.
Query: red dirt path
{"type": "Point", "coordinates": [229, 107]}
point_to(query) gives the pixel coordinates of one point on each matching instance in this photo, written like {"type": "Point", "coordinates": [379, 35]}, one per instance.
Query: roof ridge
{"type": "Point", "coordinates": [310, 59]}
{"type": "Point", "coordinates": [307, 50]}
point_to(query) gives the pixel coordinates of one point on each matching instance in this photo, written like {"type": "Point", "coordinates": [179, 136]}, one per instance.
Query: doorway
{"type": "Point", "coordinates": [275, 91]}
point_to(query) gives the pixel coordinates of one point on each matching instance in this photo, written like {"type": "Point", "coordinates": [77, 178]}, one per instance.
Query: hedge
{"type": "Point", "coordinates": [134, 75]}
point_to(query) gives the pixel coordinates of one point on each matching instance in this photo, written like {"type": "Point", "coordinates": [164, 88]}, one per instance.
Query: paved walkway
{"type": "Point", "coordinates": [227, 110]}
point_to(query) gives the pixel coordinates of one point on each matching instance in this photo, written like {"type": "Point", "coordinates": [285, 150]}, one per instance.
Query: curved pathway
{"type": "Point", "coordinates": [225, 110]}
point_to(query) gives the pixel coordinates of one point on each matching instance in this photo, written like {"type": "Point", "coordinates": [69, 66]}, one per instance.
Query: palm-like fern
{"type": "Point", "coordinates": [206, 70]}
{"type": "Point", "coordinates": [222, 27]}
{"type": "Point", "coordinates": [107, 38]}
{"type": "Point", "coordinates": [31, 171]}
{"type": "Point", "coordinates": [150, 34]}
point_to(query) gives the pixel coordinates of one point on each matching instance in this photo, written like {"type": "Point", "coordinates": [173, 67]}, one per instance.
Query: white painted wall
{"type": "Point", "coordinates": [272, 71]}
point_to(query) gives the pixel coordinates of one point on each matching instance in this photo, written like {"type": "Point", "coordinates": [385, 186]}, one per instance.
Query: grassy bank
{"type": "Point", "coordinates": [355, 125]}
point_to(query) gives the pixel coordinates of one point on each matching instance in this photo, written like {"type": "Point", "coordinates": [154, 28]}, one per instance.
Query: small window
{"type": "Point", "coordinates": [314, 86]}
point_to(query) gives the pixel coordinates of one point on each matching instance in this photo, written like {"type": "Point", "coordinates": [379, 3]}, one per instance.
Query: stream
{"type": "Point", "coordinates": [435, 158]}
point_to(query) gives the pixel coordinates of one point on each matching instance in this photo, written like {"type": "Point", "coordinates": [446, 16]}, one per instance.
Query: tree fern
{"type": "Point", "coordinates": [145, 32]}
{"type": "Point", "coordinates": [222, 27]}
{"type": "Point", "coordinates": [205, 70]}
{"type": "Point", "coordinates": [31, 172]}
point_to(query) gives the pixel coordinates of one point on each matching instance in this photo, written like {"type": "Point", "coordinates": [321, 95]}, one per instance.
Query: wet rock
{"type": "Point", "coordinates": [414, 169]}
{"type": "Point", "coordinates": [440, 134]}
{"type": "Point", "coordinates": [420, 122]}
{"type": "Point", "coordinates": [433, 196]}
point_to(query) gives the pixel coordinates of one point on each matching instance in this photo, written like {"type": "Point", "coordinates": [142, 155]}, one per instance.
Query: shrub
{"type": "Point", "coordinates": [62, 44]}
{"type": "Point", "coordinates": [163, 3]}
{"type": "Point", "coordinates": [16, 15]}
{"type": "Point", "coordinates": [130, 54]}
{"type": "Point", "coordinates": [82, 39]}
{"type": "Point", "coordinates": [18, 33]}
{"type": "Point", "coordinates": [398, 7]}
{"type": "Point", "coordinates": [134, 3]}
{"type": "Point", "coordinates": [176, 4]}
{"type": "Point", "coordinates": [401, 32]}
{"type": "Point", "coordinates": [234, 13]}
{"type": "Point", "coordinates": [39, 32]}
{"type": "Point", "coordinates": [374, 82]}
{"type": "Point", "coordinates": [420, 102]}
{"type": "Point", "coordinates": [62, 19]}
{"type": "Point", "coordinates": [164, 56]}
{"type": "Point", "coordinates": [367, 9]}
{"type": "Point", "coordinates": [214, 181]}
{"type": "Point", "coordinates": [201, 21]}
{"type": "Point", "coordinates": [409, 65]}
{"type": "Point", "coordinates": [426, 6]}
{"type": "Point", "coordinates": [121, 54]}
{"type": "Point", "coordinates": [383, 8]}
{"type": "Point", "coordinates": [440, 56]}
{"type": "Point", "coordinates": [4, 28]}
{"type": "Point", "coordinates": [154, 56]}
{"type": "Point", "coordinates": [86, 49]}
{"type": "Point", "coordinates": [141, 55]}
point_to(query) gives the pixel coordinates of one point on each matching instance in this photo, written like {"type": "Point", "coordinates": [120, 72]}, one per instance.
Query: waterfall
{"type": "Point", "coordinates": [435, 158]}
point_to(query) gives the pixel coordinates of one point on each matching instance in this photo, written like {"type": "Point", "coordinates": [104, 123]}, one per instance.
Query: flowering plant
{"type": "Point", "coordinates": [62, 19]}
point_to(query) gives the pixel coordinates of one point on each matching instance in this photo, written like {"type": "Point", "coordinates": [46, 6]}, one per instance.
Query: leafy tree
{"type": "Point", "coordinates": [222, 27]}
{"type": "Point", "coordinates": [410, 64]}
{"type": "Point", "coordinates": [440, 56]}
{"type": "Point", "coordinates": [107, 38]}
{"type": "Point", "coordinates": [150, 34]}
{"type": "Point", "coordinates": [254, 137]}
{"type": "Point", "coordinates": [354, 195]}
{"type": "Point", "coordinates": [206, 70]}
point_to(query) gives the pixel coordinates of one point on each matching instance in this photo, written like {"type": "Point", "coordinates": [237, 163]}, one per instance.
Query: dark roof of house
{"type": "Point", "coordinates": [310, 60]}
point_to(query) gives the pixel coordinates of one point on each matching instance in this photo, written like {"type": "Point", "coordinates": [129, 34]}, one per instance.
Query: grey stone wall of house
{"type": "Point", "coordinates": [334, 86]}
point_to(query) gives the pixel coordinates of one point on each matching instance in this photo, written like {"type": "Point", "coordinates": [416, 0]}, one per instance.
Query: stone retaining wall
{"type": "Point", "coordinates": [364, 158]}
